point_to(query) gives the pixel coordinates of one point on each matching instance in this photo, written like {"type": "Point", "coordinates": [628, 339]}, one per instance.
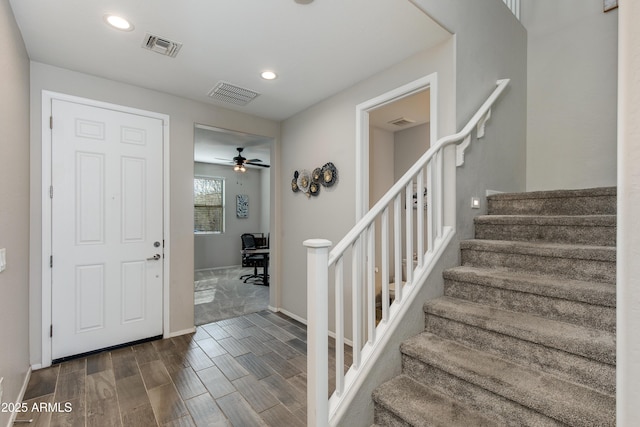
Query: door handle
{"type": "Point", "coordinates": [154, 258]}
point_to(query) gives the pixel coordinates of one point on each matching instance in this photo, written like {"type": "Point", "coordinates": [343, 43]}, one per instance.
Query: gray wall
{"type": "Point", "coordinates": [14, 208]}
{"type": "Point", "coordinates": [409, 145]}
{"type": "Point", "coordinates": [184, 114]}
{"type": "Point", "coordinates": [381, 173]}
{"type": "Point", "coordinates": [222, 250]}
{"type": "Point", "coordinates": [326, 132]}
{"type": "Point", "coordinates": [490, 45]}
{"type": "Point", "coordinates": [571, 104]}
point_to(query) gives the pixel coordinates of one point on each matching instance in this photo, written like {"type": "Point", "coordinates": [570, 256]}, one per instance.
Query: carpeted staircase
{"type": "Point", "coordinates": [525, 332]}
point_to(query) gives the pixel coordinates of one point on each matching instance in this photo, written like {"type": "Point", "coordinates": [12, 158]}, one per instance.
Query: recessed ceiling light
{"type": "Point", "coordinates": [303, 1]}
{"type": "Point", "coordinates": [268, 75]}
{"type": "Point", "coordinates": [118, 22]}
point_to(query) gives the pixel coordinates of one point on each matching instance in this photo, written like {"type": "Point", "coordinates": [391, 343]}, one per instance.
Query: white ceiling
{"type": "Point", "coordinates": [214, 145]}
{"type": "Point", "coordinates": [414, 108]}
{"type": "Point", "coordinates": [317, 49]}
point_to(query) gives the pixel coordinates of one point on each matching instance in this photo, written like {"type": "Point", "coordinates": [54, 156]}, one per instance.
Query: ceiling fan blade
{"type": "Point", "coordinates": [226, 160]}
{"type": "Point", "coordinates": [257, 164]}
{"type": "Point", "coordinates": [254, 160]}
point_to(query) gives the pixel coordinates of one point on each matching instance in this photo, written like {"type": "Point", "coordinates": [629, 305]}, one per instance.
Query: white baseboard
{"type": "Point", "coordinates": [182, 332]}
{"type": "Point", "coordinates": [293, 316]}
{"type": "Point", "coordinates": [304, 322]}
{"type": "Point", "coordinates": [23, 390]}
{"type": "Point", "coordinates": [218, 268]}
{"type": "Point", "coordinates": [492, 192]}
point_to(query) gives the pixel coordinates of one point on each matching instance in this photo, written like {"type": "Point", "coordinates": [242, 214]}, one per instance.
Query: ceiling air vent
{"type": "Point", "coordinates": [227, 92]}
{"type": "Point", "coordinates": [161, 45]}
{"type": "Point", "coordinates": [401, 121]}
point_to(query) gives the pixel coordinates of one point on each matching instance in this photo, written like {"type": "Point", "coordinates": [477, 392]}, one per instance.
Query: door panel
{"type": "Point", "coordinates": [106, 215]}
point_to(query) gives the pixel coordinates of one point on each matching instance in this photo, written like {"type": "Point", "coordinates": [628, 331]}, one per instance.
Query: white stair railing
{"type": "Point", "coordinates": [367, 335]}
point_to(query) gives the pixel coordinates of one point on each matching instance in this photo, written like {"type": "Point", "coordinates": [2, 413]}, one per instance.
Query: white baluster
{"type": "Point", "coordinates": [371, 283]}
{"type": "Point", "coordinates": [397, 239]}
{"type": "Point", "coordinates": [384, 254]}
{"type": "Point", "coordinates": [420, 218]}
{"type": "Point", "coordinates": [339, 295]}
{"type": "Point", "coordinates": [439, 195]}
{"type": "Point", "coordinates": [430, 201]}
{"type": "Point", "coordinates": [356, 303]}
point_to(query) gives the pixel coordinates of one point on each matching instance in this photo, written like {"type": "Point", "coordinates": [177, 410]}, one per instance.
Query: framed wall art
{"type": "Point", "coordinates": [242, 206]}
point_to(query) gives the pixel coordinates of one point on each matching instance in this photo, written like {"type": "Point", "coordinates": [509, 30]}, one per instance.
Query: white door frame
{"type": "Point", "coordinates": [47, 98]}
{"type": "Point", "coordinates": [362, 130]}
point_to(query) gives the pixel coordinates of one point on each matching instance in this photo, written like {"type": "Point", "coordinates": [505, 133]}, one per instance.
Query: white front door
{"type": "Point", "coordinates": [107, 228]}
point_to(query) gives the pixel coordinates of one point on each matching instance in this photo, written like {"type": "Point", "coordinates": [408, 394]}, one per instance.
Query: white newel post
{"type": "Point", "coordinates": [317, 332]}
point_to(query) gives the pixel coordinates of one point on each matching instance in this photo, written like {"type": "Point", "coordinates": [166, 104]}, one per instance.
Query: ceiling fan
{"type": "Point", "coordinates": [240, 161]}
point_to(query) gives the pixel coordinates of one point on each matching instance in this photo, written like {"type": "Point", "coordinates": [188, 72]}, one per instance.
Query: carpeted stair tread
{"type": "Point", "coordinates": [583, 229]}
{"type": "Point", "coordinates": [572, 261]}
{"type": "Point", "coordinates": [591, 201]}
{"type": "Point", "coordinates": [568, 220]}
{"type": "Point", "coordinates": [561, 400]}
{"type": "Point", "coordinates": [557, 194]}
{"type": "Point", "coordinates": [420, 406]}
{"type": "Point", "coordinates": [551, 250]}
{"type": "Point", "coordinates": [597, 293]}
{"type": "Point", "coordinates": [574, 339]}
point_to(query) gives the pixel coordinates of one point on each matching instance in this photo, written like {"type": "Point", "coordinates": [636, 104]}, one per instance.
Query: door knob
{"type": "Point", "coordinates": [154, 258]}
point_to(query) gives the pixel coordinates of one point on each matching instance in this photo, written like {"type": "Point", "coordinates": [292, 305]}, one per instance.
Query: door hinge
{"type": "Point", "coordinates": [51, 331]}
{"type": "Point", "coordinates": [51, 261]}
{"type": "Point", "coordinates": [51, 191]}
{"type": "Point", "coordinates": [50, 122]}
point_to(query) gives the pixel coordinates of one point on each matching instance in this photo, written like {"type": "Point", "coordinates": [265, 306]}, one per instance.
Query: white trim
{"type": "Point", "coordinates": [219, 268]}
{"type": "Point", "coordinates": [304, 322]}
{"type": "Point", "coordinates": [178, 333]}
{"type": "Point", "coordinates": [362, 130]}
{"type": "Point", "coordinates": [47, 99]}
{"type": "Point", "coordinates": [290, 314]}
{"type": "Point", "coordinates": [20, 397]}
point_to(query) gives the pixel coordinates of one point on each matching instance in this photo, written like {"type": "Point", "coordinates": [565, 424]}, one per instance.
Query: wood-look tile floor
{"type": "Point", "coordinates": [241, 372]}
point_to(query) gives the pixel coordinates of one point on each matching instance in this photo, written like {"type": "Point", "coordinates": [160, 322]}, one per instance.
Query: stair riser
{"type": "Point", "coordinates": [506, 411]}
{"type": "Point", "coordinates": [579, 313]}
{"type": "Point", "coordinates": [571, 268]}
{"type": "Point", "coordinates": [587, 235]}
{"type": "Point", "coordinates": [597, 205]}
{"type": "Point", "coordinates": [383, 417]}
{"type": "Point", "coordinates": [597, 375]}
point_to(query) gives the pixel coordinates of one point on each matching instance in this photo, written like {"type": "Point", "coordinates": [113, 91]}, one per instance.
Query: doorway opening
{"type": "Point", "coordinates": [394, 130]}
{"type": "Point", "coordinates": [406, 104]}
{"type": "Point", "coordinates": [232, 197]}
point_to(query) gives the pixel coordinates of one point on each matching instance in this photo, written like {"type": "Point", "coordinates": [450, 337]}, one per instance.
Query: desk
{"type": "Point", "coordinates": [265, 254]}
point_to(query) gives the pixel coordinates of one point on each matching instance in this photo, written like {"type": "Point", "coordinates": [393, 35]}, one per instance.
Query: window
{"type": "Point", "coordinates": [208, 201]}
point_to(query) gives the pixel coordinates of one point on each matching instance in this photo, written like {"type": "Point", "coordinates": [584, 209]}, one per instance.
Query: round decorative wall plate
{"type": "Point", "coordinates": [314, 188]}
{"type": "Point", "coordinates": [329, 174]}
{"type": "Point", "coordinates": [304, 179]}
{"type": "Point", "coordinates": [316, 175]}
